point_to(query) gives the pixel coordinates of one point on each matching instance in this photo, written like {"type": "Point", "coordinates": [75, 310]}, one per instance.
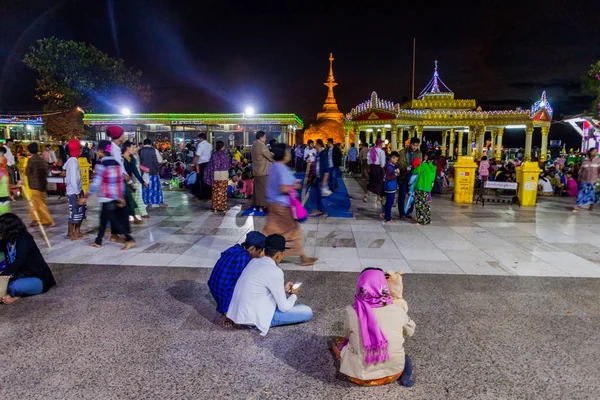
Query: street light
{"type": "Point", "coordinates": [126, 112]}
{"type": "Point", "coordinates": [249, 111]}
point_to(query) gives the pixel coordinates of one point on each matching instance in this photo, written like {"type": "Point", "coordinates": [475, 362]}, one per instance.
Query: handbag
{"type": "Point", "coordinates": [298, 211]}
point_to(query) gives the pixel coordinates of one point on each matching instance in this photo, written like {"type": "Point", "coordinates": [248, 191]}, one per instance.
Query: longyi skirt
{"type": "Point", "coordinates": [279, 220]}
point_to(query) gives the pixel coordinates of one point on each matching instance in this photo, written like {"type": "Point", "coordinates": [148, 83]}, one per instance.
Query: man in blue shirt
{"type": "Point", "coordinates": [352, 155]}
{"type": "Point", "coordinates": [228, 269]}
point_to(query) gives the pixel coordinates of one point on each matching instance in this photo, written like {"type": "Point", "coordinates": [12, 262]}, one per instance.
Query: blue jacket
{"type": "Point", "coordinates": [390, 185]}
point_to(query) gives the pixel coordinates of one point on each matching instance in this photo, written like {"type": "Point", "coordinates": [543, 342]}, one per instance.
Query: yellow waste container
{"type": "Point", "coordinates": [464, 180]}
{"type": "Point", "coordinates": [84, 167]}
{"type": "Point", "coordinates": [527, 178]}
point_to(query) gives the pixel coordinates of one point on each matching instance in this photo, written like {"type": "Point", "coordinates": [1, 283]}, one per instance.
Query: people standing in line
{"type": "Point", "coordinates": [63, 152]}
{"type": "Point", "coordinates": [407, 155]}
{"type": "Point", "coordinates": [261, 163]}
{"type": "Point", "coordinates": [37, 177]}
{"type": "Point", "coordinates": [363, 156]}
{"type": "Point", "coordinates": [77, 213]}
{"type": "Point", "coordinates": [30, 273]}
{"type": "Point", "coordinates": [203, 152]}
{"type": "Point", "coordinates": [130, 191]}
{"type": "Point", "coordinates": [390, 186]}
{"type": "Point", "coordinates": [376, 163]}
{"type": "Point", "coordinates": [216, 176]}
{"type": "Point", "coordinates": [279, 219]}
{"type": "Point", "coordinates": [423, 186]}
{"type": "Point", "coordinates": [371, 352]}
{"type": "Point", "coordinates": [10, 161]}
{"type": "Point", "coordinates": [49, 156]}
{"type": "Point", "coordinates": [150, 162]}
{"type": "Point", "coordinates": [228, 269]}
{"type": "Point", "coordinates": [260, 295]}
{"type": "Point", "coordinates": [321, 189]}
{"type": "Point", "coordinates": [588, 175]}
{"type": "Point", "coordinates": [352, 157]}
{"type": "Point", "coordinates": [309, 155]}
{"type": "Point", "coordinates": [131, 161]}
{"type": "Point", "coordinates": [334, 154]}
{"type": "Point", "coordinates": [109, 180]}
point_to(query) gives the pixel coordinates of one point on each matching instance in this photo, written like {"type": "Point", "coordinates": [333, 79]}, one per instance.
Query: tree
{"type": "Point", "coordinates": [75, 74]}
{"type": "Point", "coordinates": [591, 84]}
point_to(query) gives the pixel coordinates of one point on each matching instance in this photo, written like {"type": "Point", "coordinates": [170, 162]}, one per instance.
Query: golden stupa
{"type": "Point", "coordinates": [329, 121]}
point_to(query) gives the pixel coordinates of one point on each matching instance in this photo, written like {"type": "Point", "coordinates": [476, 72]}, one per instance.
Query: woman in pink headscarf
{"type": "Point", "coordinates": [372, 350]}
{"type": "Point", "coordinates": [376, 162]}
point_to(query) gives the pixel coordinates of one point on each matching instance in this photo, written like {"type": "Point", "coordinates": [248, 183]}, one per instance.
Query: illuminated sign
{"type": "Point", "coordinates": [270, 122]}
{"type": "Point", "coordinates": [196, 122]}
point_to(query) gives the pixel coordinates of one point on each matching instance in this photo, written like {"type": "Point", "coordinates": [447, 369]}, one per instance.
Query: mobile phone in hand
{"type": "Point", "coordinates": [296, 285]}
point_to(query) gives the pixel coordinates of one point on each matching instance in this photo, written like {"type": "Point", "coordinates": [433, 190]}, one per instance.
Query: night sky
{"type": "Point", "coordinates": [218, 56]}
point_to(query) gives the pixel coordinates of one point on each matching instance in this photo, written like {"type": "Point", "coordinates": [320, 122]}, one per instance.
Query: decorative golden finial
{"type": "Point", "coordinates": [330, 108]}
{"type": "Point", "coordinates": [331, 83]}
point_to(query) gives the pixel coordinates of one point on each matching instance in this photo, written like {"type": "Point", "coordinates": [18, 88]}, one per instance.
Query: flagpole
{"type": "Point", "coordinates": [413, 67]}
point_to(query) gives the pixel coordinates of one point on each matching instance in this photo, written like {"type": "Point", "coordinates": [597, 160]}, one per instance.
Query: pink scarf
{"type": "Point", "coordinates": [372, 292]}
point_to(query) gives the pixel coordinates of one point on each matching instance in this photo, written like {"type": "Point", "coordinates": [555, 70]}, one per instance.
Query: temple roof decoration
{"type": "Point", "coordinates": [541, 107]}
{"type": "Point", "coordinates": [433, 87]}
{"type": "Point", "coordinates": [330, 107]}
{"type": "Point", "coordinates": [373, 104]}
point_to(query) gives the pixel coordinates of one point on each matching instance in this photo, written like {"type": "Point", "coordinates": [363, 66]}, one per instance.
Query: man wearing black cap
{"type": "Point", "coordinates": [229, 267]}
{"type": "Point", "coordinates": [260, 295]}
{"type": "Point", "coordinates": [37, 177]}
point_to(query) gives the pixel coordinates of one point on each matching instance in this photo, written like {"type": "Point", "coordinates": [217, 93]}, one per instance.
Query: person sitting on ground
{"type": "Point", "coordinates": [572, 188]}
{"type": "Point", "coordinates": [545, 186]}
{"type": "Point", "coordinates": [247, 189]}
{"type": "Point", "coordinates": [228, 269]}
{"type": "Point", "coordinates": [30, 275]}
{"type": "Point", "coordinates": [371, 352]}
{"type": "Point", "coordinates": [259, 298]}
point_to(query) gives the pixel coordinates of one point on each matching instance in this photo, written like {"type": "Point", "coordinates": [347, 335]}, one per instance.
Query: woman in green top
{"type": "Point", "coordinates": [423, 185]}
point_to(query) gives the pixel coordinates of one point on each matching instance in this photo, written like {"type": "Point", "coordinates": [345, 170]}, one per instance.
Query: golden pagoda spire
{"type": "Point", "coordinates": [331, 83]}
{"type": "Point", "coordinates": [330, 108]}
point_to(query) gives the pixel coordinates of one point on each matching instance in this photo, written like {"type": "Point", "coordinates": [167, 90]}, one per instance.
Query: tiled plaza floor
{"type": "Point", "coordinates": [501, 239]}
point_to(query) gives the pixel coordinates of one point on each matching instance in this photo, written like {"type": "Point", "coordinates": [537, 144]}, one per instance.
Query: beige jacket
{"type": "Point", "coordinates": [395, 323]}
{"type": "Point", "coordinates": [261, 159]}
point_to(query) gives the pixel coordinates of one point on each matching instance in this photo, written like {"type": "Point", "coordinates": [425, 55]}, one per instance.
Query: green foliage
{"type": "Point", "coordinates": [591, 84]}
{"type": "Point", "coordinates": [65, 125]}
{"type": "Point", "coordinates": [74, 74]}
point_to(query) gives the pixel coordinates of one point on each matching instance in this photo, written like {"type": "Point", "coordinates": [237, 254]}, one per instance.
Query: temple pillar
{"type": "Point", "coordinates": [209, 135]}
{"type": "Point", "coordinates": [491, 152]}
{"type": "Point", "coordinates": [368, 137]}
{"type": "Point", "coordinates": [469, 152]}
{"type": "Point", "coordinates": [245, 138]}
{"type": "Point", "coordinates": [544, 146]}
{"type": "Point", "coordinates": [394, 138]}
{"type": "Point", "coordinates": [411, 132]}
{"type": "Point", "coordinates": [401, 138]}
{"type": "Point", "coordinates": [6, 132]}
{"type": "Point", "coordinates": [346, 138]}
{"type": "Point", "coordinates": [528, 143]}
{"type": "Point", "coordinates": [498, 154]}
{"type": "Point", "coordinates": [460, 144]}
{"type": "Point", "coordinates": [444, 136]}
{"type": "Point", "coordinates": [383, 133]}
{"type": "Point", "coordinates": [480, 140]}
{"type": "Point", "coordinates": [419, 130]}
{"type": "Point", "coordinates": [451, 149]}
{"type": "Point", "coordinates": [356, 135]}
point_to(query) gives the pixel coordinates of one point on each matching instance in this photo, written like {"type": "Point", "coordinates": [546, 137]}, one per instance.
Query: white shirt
{"type": "Point", "coordinates": [73, 179]}
{"type": "Point", "coordinates": [379, 160]}
{"type": "Point", "coordinates": [203, 151]}
{"type": "Point", "coordinates": [259, 291]}
{"type": "Point", "coordinates": [310, 154]}
{"type": "Point", "coordinates": [115, 151]}
{"type": "Point", "coordinates": [10, 159]}
{"type": "Point", "coordinates": [546, 185]}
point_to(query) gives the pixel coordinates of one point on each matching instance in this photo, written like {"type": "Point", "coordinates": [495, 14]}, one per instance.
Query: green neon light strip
{"type": "Point", "coordinates": [256, 118]}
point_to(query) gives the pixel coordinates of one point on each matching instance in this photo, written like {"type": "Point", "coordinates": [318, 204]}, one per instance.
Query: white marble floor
{"type": "Point", "coordinates": [548, 240]}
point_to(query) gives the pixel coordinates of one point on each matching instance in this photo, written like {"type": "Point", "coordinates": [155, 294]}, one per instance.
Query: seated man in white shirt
{"type": "Point", "coordinates": [260, 294]}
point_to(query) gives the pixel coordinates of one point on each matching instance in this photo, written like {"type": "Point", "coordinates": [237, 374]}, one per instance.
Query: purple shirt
{"type": "Point", "coordinates": [279, 174]}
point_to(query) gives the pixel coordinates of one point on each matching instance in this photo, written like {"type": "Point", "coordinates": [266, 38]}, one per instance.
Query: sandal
{"type": "Point", "coordinates": [308, 261]}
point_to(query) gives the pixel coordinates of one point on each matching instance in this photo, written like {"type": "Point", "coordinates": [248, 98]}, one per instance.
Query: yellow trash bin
{"type": "Point", "coordinates": [84, 167]}
{"type": "Point", "coordinates": [527, 178]}
{"type": "Point", "coordinates": [464, 180]}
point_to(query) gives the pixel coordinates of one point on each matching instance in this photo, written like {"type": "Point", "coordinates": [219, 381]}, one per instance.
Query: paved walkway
{"type": "Point", "coordinates": [548, 240]}
{"type": "Point", "coordinates": [114, 332]}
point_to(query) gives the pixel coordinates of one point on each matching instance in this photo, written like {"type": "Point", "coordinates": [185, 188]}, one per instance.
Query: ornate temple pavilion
{"type": "Point", "coordinates": [436, 109]}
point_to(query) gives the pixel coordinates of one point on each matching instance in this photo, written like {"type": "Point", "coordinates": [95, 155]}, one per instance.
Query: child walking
{"type": "Point", "coordinates": [423, 185]}
{"type": "Point", "coordinates": [77, 212]}
{"type": "Point", "coordinates": [390, 185]}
